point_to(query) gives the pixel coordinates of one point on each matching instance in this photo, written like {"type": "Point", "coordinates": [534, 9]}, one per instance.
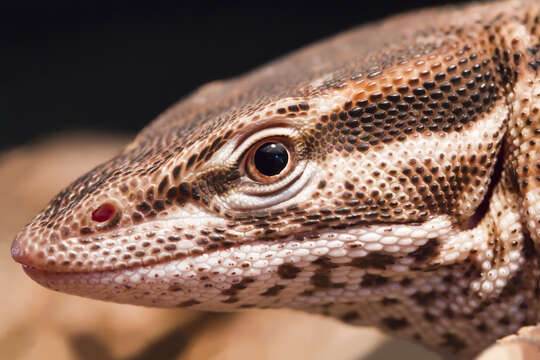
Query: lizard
{"type": "Point", "coordinates": [387, 176]}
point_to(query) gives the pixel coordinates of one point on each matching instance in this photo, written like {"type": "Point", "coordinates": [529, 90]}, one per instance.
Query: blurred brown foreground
{"type": "Point", "coordinates": [36, 323]}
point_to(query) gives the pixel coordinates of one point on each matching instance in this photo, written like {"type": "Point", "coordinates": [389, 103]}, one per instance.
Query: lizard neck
{"type": "Point", "coordinates": [493, 292]}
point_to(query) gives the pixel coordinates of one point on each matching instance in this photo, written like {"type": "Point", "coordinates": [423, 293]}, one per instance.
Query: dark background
{"type": "Point", "coordinates": [115, 65]}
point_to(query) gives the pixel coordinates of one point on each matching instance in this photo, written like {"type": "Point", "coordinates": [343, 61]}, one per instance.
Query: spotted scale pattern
{"type": "Point", "coordinates": [411, 203]}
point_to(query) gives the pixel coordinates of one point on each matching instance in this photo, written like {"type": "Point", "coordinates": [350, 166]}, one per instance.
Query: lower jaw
{"type": "Point", "coordinates": [180, 282]}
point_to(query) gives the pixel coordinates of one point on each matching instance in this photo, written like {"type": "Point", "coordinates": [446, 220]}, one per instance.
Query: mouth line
{"type": "Point", "coordinates": [32, 270]}
{"type": "Point", "coordinates": [312, 235]}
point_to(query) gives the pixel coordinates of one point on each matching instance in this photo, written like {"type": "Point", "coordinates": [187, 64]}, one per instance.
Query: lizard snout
{"type": "Point", "coordinates": [17, 252]}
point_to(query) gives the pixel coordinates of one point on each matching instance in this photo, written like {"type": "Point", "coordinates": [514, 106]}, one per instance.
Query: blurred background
{"type": "Point", "coordinates": [114, 65]}
{"type": "Point", "coordinates": [78, 79]}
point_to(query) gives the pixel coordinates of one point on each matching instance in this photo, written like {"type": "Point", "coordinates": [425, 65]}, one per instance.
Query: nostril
{"type": "Point", "coordinates": [104, 212]}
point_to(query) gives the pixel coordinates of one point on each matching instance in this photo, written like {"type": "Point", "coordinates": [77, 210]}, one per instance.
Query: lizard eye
{"type": "Point", "coordinates": [269, 160]}
{"type": "Point", "coordinates": [274, 168]}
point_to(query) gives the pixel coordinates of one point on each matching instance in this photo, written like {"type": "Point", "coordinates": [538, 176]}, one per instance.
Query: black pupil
{"type": "Point", "coordinates": [271, 158]}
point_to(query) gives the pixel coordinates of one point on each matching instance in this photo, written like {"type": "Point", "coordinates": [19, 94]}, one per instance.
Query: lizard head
{"type": "Point", "coordinates": [333, 176]}
{"type": "Point", "coordinates": [306, 197]}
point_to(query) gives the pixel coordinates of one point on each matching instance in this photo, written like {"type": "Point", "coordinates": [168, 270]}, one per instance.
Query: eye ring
{"type": "Point", "coordinates": [269, 160]}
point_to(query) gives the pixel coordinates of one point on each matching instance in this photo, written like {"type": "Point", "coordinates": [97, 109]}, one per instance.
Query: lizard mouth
{"type": "Point", "coordinates": [35, 272]}
{"type": "Point", "coordinates": [358, 246]}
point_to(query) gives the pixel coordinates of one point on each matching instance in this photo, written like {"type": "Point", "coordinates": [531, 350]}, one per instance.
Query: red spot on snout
{"type": "Point", "coordinates": [104, 212]}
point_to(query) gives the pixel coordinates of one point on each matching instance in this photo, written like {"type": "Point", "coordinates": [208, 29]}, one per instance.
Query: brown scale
{"type": "Point", "coordinates": [375, 119]}
{"type": "Point", "coordinates": [372, 116]}
{"type": "Point", "coordinates": [459, 73]}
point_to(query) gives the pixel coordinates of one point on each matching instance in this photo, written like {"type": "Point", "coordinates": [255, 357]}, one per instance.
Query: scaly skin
{"type": "Point", "coordinates": [410, 202]}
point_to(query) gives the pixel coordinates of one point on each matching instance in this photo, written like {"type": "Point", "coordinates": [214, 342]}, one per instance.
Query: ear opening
{"type": "Point", "coordinates": [482, 209]}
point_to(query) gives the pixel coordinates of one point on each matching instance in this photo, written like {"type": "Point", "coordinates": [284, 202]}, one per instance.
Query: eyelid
{"type": "Point", "coordinates": [256, 128]}
{"type": "Point", "coordinates": [253, 196]}
{"type": "Point", "coordinates": [232, 154]}
{"type": "Point", "coordinates": [255, 188]}
{"type": "Point", "coordinates": [272, 132]}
